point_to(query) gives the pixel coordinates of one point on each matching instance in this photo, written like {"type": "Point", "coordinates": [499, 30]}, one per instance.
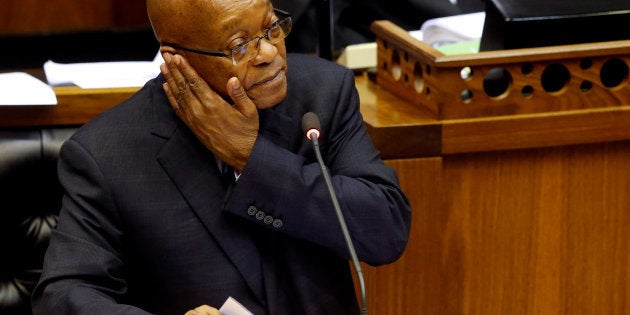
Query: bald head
{"type": "Point", "coordinates": [179, 19]}
{"type": "Point", "coordinates": [182, 20]}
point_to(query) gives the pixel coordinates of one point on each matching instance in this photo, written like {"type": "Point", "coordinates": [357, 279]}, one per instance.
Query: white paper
{"type": "Point", "coordinates": [113, 74]}
{"type": "Point", "coordinates": [417, 34]}
{"type": "Point", "coordinates": [20, 88]}
{"type": "Point", "coordinates": [233, 307]}
{"type": "Point", "coordinates": [453, 29]}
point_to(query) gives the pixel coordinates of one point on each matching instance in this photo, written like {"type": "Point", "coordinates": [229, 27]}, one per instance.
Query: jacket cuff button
{"type": "Point", "coordinates": [268, 219]}
{"type": "Point", "coordinates": [277, 223]}
{"type": "Point", "coordinates": [260, 215]}
{"type": "Point", "coordinates": [252, 210]}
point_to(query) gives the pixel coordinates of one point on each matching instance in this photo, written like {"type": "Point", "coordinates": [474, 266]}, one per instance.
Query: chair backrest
{"type": "Point", "coordinates": [30, 199]}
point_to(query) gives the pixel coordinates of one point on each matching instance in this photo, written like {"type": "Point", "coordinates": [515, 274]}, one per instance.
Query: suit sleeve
{"type": "Point", "coordinates": [83, 272]}
{"type": "Point", "coordinates": [286, 191]}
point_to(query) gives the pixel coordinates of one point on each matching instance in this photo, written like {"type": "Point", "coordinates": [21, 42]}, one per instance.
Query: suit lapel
{"type": "Point", "coordinates": [194, 171]}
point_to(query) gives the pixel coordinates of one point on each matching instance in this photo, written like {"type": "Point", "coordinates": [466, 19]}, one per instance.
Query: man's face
{"type": "Point", "coordinates": [225, 24]}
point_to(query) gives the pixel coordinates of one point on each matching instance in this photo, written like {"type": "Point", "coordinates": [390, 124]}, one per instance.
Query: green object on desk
{"type": "Point", "coordinates": [465, 47]}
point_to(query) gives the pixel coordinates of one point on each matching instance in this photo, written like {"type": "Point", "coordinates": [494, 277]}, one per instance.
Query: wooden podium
{"type": "Point", "coordinates": [516, 209]}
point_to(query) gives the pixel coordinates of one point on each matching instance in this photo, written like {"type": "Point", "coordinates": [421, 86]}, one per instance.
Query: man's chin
{"type": "Point", "coordinates": [268, 100]}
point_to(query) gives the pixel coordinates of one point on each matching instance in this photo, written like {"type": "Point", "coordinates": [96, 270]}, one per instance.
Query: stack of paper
{"type": "Point", "coordinates": [103, 74]}
{"type": "Point", "coordinates": [453, 29]}
{"type": "Point", "coordinates": [20, 88]}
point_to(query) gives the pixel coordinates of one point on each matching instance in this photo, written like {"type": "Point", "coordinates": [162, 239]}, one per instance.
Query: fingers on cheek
{"type": "Point", "coordinates": [182, 86]}
{"type": "Point", "coordinates": [164, 70]}
{"type": "Point", "coordinates": [193, 81]}
{"type": "Point", "coordinates": [176, 98]}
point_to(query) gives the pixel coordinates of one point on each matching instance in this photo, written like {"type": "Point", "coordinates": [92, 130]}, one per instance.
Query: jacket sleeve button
{"type": "Point", "coordinates": [260, 215]}
{"type": "Point", "coordinates": [268, 219]}
{"type": "Point", "coordinates": [277, 223]}
{"type": "Point", "coordinates": [252, 210]}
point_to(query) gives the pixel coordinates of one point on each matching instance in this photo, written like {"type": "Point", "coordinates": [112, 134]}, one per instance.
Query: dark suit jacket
{"type": "Point", "coordinates": [147, 224]}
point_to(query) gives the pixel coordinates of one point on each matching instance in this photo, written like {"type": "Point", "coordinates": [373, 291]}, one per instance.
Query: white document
{"type": "Point", "coordinates": [20, 88]}
{"type": "Point", "coordinates": [233, 307]}
{"type": "Point", "coordinates": [417, 34]}
{"type": "Point", "coordinates": [453, 29]}
{"type": "Point", "coordinates": [113, 74]}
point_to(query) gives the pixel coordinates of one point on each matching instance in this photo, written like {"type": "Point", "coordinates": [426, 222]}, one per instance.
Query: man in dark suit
{"type": "Point", "coordinates": [149, 225]}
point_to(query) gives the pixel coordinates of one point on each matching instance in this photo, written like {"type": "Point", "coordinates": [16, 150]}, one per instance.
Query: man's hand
{"type": "Point", "coordinates": [203, 310]}
{"type": "Point", "coordinates": [228, 131]}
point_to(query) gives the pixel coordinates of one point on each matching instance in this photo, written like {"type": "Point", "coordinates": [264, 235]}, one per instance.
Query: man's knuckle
{"type": "Point", "coordinates": [182, 85]}
{"type": "Point", "coordinates": [193, 81]}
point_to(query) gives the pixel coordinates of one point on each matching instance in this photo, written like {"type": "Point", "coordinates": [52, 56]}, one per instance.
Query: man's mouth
{"type": "Point", "coordinates": [270, 79]}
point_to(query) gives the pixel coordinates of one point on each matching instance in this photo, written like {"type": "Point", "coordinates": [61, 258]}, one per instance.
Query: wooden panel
{"type": "Point", "coordinates": [409, 285]}
{"type": "Point", "coordinates": [130, 13]}
{"type": "Point", "coordinates": [538, 231]}
{"type": "Point", "coordinates": [536, 130]}
{"type": "Point", "coordinates": [35, 16]}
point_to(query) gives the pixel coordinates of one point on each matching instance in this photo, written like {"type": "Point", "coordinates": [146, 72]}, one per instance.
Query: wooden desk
{"type": "Point", "coordinates": [75, 107]}
{"type": "Point", "coordinates": [524, 214]}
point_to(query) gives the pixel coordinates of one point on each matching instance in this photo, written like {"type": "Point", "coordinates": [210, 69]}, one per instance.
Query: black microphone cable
{"type": "Point", "coordinates": [310, 125]}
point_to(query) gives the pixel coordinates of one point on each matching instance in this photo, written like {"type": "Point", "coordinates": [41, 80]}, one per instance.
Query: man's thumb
{"type": "Point", "coordinates": [237, 94]}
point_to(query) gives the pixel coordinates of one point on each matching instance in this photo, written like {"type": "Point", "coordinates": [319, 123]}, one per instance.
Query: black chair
{"type": "Point", "coordinates": [30, 198]}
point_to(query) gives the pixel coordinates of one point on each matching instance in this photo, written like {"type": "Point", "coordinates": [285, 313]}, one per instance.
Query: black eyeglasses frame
{"type": "Point", "coordinates": [282, 17]}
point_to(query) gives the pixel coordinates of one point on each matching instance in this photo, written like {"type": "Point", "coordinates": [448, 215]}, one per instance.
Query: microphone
{"type": "Point", "coordinates": [311, 127]}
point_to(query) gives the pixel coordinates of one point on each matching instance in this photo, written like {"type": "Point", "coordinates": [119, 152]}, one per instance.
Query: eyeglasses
{"type": "Point", "coordinates": [246, 51]}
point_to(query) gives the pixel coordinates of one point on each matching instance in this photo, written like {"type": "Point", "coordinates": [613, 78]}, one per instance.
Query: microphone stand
{"type": "Point", "coordinates": [342, 221]}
